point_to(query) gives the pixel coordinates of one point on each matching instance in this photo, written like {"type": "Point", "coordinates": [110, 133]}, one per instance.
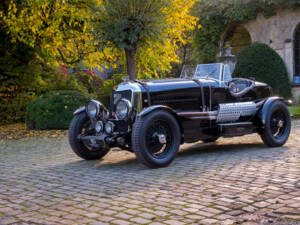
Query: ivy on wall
{"type": "Point", "coordinates": [216, 15]}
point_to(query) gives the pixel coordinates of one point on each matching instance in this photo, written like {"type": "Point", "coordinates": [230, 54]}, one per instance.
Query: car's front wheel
{"type": "Point", "coordinates": [277, 125]}
{"type": "Point", "coordinates": [79, 125]}
{"type": "Point", "coordinates": [156, 139]}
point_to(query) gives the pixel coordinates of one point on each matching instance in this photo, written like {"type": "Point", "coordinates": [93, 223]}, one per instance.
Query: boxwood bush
{"type": "Point", "coordinates": [13, 110]}
{"type": "Point", "coordinates": [54, 110]}
{"type": "Point", "coordinates": [264, 64]}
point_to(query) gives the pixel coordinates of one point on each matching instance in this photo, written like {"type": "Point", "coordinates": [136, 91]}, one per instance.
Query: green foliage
{"type": "Point", "coordinates": [19, 78]}
{"type": "Point", "coordinates": [128, 23]}
{"type": "Point", "coordinates": [262, 62]}
{"type": "Point", "coordinates": [216, 15]}
{"type": "Point", "coordinates": [149, 31]}
{"type": "Point", "coordinates": [23, 76]}
{"type": "Point", "coordinates": [54, 110]}
{"type": "Point", "coordinates": [108, 85]}
{"type": "Point", "coordinates": [15, 110]}
{"type": "Point", "coordinates": [59, 31]}
{"type": "Point", "coordinates": [294, 110]}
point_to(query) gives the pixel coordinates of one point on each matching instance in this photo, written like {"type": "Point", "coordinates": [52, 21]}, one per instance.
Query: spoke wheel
{"type": "Point", "coordinates": [156, 138]}
{"type": "Point", "coordinates": [80, 125]}
{"type": "Point", "coordinates": [159, 139]}
{"type": "Point", "coordinates": [277, 125]}
{"type": "Point", "coordinates": [85, 131]}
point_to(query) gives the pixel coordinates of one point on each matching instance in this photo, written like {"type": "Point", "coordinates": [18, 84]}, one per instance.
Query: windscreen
{"type": "Point", "coordinates": [208, 71]}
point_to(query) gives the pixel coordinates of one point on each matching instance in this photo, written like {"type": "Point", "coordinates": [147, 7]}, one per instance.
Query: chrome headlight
{"type": "Point", "coordinates": [99, 126]}
{"type": "Point", "coordinates": [93, 109]}
{"type": "Point", "coordinates": [123, 108]}
{"type": "Point", "coordinates": [109, 127]}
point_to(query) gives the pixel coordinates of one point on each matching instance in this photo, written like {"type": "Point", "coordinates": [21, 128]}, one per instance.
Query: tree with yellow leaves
{"type": "Point", "coordinates": [99, 32]}
{"type": "Point", "coordinates": [61, 31]}
{"type": "Point", "coordinates": [148, 31]}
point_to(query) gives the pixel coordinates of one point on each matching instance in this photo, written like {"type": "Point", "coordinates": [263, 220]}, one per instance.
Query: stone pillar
{"type": "Point", "coordinates": [227, 58]}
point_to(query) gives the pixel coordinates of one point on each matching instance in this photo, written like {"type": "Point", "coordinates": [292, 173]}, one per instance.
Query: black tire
{"type": "Point", "coordinates": [76, 126]}
{"type": "Point", "coordinates": [273, 135]}
{"type": "Point", "coordinates": [209, 140]}
{"type": "Point", "coordinates": [143, 135]}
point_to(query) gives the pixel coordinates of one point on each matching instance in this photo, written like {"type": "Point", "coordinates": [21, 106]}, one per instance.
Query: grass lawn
{"type": "Point", "coordinates": [294, 110]}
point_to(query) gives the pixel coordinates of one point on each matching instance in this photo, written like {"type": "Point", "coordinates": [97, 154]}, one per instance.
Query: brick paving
{"type": "Point", "coordinates": [235, 181]}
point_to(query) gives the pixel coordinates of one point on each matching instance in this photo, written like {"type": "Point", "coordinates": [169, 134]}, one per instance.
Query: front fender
{"type": "Point", "coordinates": [150, 109]}
{"type": "Point", "coordinates": [80, 110]}
{"type": "Point", "coordinates": [262, 114]}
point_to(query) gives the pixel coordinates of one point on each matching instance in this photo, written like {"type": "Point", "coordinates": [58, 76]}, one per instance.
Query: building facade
{"type": "Point", "coordinates": [281, 32]}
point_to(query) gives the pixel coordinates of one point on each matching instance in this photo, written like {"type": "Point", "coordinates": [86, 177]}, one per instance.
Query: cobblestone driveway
{"type": "Point", "coordinates": [237, 180]}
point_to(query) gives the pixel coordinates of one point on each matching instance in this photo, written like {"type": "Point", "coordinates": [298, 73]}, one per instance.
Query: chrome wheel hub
{"type": "Point", "coordinates": [280, 123]}
{"type": "Point", "coordinates": [162, 138]}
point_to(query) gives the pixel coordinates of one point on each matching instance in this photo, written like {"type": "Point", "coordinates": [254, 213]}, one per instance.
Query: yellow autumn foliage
{"type": "Point", "coordinates": [63, 32]}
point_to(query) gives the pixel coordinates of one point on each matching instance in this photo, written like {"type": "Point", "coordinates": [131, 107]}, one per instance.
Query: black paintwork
{"type": "Point", "coordinates": [180, 95]}
{"type": "Point", "coordinates": [196, 114]}
{"type": "Point", "coordinates": [184, 94]}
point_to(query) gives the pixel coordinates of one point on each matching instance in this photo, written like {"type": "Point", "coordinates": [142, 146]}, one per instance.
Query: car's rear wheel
{"type": "Point", "coordinates": [277, 125]}
{"type": "Point", "coordinates": [80, 124]}
{"type": "Point", "coordinates": [156, 139]}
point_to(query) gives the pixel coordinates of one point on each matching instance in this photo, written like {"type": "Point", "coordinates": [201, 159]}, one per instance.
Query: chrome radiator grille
{"type": "Point", "coordinates": [233, 111]}
{"type": "Point", "coordinates": [117, 95]}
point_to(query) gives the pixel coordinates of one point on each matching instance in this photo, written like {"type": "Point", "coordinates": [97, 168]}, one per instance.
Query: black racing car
{"type": "Point", "coordinates": [153, 118]}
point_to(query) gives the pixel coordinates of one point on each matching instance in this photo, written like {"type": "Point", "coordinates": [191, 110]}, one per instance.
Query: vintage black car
{"type": "Point", "coordinates": [153, 118]}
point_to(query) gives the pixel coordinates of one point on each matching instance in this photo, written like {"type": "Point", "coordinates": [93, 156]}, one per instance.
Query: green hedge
{"type": "Point", "coordinates": [264, 64]}
{"type": "Point", "coordinates": [54, 110]}
{"type": "Point", "coordinates": [14, 110]}
{"type": "Point", "coordinates": [295, 110]}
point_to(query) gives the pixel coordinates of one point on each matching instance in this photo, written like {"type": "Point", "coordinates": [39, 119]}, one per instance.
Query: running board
{"type": "Point", "coordinates": [235, 129]}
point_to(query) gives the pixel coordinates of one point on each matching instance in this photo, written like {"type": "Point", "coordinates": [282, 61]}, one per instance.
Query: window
{"type": "Point", "coordinates": [227, 73]}
{"type": "Point", "coordinates": [238, 38]}
{"type": "Point", "coordinates": [297, 55]}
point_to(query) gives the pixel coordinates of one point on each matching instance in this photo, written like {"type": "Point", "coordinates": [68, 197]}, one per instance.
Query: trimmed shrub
{"type": "Point", "coordinates": [54, 110]}
{"type": "Point", "coordinates": [14, 110]}
{"type": "Point", "coordinates": [264, 64]}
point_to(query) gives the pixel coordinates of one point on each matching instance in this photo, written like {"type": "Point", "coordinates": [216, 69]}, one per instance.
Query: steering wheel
{"type": "Point", "coordinates": [240, 86]}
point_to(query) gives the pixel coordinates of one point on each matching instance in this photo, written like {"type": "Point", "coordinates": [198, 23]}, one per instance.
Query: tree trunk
{"type": "Point", "coordinates": [131, 63]}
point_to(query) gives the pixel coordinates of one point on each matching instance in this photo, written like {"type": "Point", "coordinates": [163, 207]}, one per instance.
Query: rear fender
{"type": "Point", "coordinates": [263, 112]}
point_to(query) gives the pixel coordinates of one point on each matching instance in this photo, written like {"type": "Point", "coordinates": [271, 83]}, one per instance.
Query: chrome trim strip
{"type": "Point", "coordinates": [212, 115]}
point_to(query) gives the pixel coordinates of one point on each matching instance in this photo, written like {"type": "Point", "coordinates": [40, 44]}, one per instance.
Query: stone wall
{"type": "Point", "coordinates": [278, 32]}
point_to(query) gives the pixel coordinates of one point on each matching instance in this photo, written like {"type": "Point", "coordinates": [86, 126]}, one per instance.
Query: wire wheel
{"type": "Point", "coordinates": [156, 138]}
{"type": "Point", "coordinates": [80, 125]}
{"type": "Point", "coordinates": [277, 127]}
{"type": "Point", "coordinates": [278, 124]}
{"type": "Point", "coordinates": [159, 139]}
